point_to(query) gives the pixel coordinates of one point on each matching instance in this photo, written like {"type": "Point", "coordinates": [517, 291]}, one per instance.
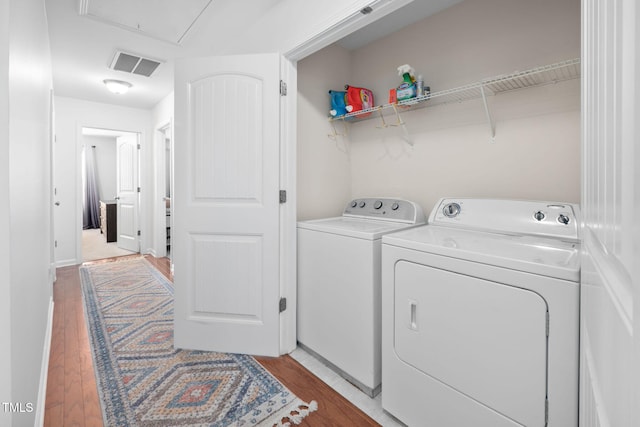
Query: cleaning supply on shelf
{"type": "Point", "coordinates": [419, 85]}
{"type": "Point", "coordinates": [359, 98]}
{"type": "Point", "coordinates": [393, 97]}
{"type": "Point", "coordinates": [407, 89]}
{"type": "Point", "coordinates": [338, 103]}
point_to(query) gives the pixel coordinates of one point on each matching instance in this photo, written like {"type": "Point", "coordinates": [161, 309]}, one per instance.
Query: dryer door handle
{"type": "Point", "coordinates": [413, 315]}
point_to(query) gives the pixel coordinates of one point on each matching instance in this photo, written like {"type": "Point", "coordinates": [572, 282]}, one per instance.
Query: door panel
{"type": "Point", "coordinates": [225, 258]}
{"type": "Point", "coordinates": [228, 171]}
{"type": "Point", "coordinates": [226, 206]}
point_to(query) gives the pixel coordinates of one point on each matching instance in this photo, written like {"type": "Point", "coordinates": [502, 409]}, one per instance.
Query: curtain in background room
{"type": "Point", "coordinates": [91, 203]}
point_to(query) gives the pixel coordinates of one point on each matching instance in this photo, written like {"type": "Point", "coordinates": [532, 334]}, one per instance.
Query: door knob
{"type": "Point", "coordinates": [57, 203]}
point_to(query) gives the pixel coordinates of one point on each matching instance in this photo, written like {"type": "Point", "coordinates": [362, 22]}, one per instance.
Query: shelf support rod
{"type": "Point", "coordinates": [492, 127]}
{"type": "Point", "coordinates": [384, 124]}
{"type": "Point", "coordinates": [400, 122]}
{"type": "Point", "coordinates": [335, 133]}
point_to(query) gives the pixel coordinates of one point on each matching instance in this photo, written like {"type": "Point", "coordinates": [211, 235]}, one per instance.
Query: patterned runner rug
{"type": "Point", "coordinates": [143, 381]}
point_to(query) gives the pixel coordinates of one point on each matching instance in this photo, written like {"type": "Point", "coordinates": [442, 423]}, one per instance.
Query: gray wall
{"type": "Point", "coordinates": [25, 181]}
{"type": "Point", "coordinates": [536, 153]}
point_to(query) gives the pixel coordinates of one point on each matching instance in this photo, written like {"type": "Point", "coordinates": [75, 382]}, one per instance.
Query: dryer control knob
{"type": "Point", "coordinates": [539, 216]}
{"type": "Point", "coordinates": [377, 204]}
{"type": "Point", "coordinates": [354, 203]}
{"type": "Point", "coordinates": [451, 210]}
{"type": "Point", "coordinates": [395, 206]}
{"type": "Point", "coordinates": [563, 219]}
{"type": "Point", "coordinates": [362, 204]}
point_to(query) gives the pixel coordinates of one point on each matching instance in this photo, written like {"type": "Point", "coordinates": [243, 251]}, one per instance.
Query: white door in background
{"type": "Point", "coordinates": [127, 192]}
{"type": "Point", "coordinates": [227, 224]}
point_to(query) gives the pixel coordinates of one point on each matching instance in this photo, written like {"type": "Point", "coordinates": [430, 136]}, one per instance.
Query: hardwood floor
{"type": "Point", "coordinates": [72, 397]}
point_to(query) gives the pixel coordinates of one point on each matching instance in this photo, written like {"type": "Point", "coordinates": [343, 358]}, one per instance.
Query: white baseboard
{"type": "Point", "coordinates": [66, 262]}
{"type": "Point", "coordinates": [44, 369]}
{"type": "Point", "coordinates": [52, 273]}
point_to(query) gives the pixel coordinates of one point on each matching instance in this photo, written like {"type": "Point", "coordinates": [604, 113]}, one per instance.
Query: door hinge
{"type": "Point", "coordinates": [138, 189]}
{"type": "Point", "coordinates": [546, 412]}
{"type": "Point", "coordinates": [283, 88]}
{"type": "Point", "coordinates": [547, 324]}
{"type": "Point", "coordinates": [138, 146]}
{"type": "Point", "coordinates": [283, 196]}
{"type": "Point", "coordinates": [283, 304]}
{"type": "Point", "coordinates": [139, 233]}
{"type": "Point", "coordinates": [55, 243]}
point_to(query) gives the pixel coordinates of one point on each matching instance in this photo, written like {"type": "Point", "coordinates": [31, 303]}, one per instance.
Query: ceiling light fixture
{"type": "Point", "coordinates": [117, 86]}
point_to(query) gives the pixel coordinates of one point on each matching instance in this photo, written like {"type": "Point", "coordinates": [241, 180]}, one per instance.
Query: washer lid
{"type": "Point", "coordinates": [353, 227]}
{"type": "Point", "coordinates": [533, 254]}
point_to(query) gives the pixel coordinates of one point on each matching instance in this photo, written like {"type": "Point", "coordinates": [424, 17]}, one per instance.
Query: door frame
{"type": "Point", "coordinates": [331, 31]}
{"type": "Point", "coordinates": [141, 203]}
{"type": "Point", "coordinates": [159, 209]}
{"type": "Point", "coordinates": [288, 210]}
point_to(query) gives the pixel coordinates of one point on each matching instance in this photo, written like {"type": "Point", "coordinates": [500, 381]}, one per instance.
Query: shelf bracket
{"type": "Point", "coordinates": [384, 124]}
{"type": "Point", "coordinates": [492, 127]}
{"type": "Point", "coordinates": [400, 122]}
{"type": "Point", "coordinates": [334, 132]}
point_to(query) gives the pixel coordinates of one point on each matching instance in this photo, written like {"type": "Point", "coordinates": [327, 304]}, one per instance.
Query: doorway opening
{"type": "Point", "coordinates": [165, 172]}
{"type": "Point", "coordinates": [110, 193]}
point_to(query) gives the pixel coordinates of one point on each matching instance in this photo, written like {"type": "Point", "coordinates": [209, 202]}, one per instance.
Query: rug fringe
{"type": "Point", "coordinates": [296, 414]}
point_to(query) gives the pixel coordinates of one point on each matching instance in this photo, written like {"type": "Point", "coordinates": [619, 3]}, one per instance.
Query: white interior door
{"type": "Point", "coordinates": [127, 190]}
{"type": "Point", "coordinates": [226, 204]}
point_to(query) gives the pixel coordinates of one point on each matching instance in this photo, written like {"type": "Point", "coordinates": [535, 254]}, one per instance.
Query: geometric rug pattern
{"type": "Point", "coordinates": [144, 381]}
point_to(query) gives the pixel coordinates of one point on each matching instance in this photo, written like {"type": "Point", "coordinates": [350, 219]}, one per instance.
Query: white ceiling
{"type": "Point", "coordinates": [166, 20]}
{"type": "Point", "coordinates": [83, 45]}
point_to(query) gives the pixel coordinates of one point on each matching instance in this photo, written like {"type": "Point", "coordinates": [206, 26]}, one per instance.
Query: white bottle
{"type": "Point", "coordinates": [419, 85]}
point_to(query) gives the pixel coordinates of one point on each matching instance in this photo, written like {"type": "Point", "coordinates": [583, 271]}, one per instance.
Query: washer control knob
{"type": "Point", "coordinates": [563, 219]}
{"type": "Point", "coordinates": [362, 204]}
{"type": "Point", "coordinates": [395, 206]}
{"type": "Point", "coordinates": [377, 204]}
{"type": "Point", "coordinates": [451, 210]}
{"type": "Point", "coordinates": [539, 216]}
{"type": "Point", "coordinates": [354, 203]}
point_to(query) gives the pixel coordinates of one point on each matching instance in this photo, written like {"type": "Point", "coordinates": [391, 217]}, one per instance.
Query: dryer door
{"type": "Point", "coordinates": [484, 339]}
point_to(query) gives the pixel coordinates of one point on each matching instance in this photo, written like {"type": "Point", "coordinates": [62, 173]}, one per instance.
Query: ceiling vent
{"type": "Point", "coordinates": [131, 63]}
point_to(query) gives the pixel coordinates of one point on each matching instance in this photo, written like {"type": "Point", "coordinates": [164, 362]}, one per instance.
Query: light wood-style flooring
{"type": "Point", "coordinates": [72, 397]}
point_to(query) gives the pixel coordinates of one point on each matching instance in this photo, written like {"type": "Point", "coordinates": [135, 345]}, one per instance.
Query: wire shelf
{"type": "Point", "coordinates": [548, 74]}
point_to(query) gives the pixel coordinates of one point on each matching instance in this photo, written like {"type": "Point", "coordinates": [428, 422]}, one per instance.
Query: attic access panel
{"type": "Point", "coordinates": [167, 20]}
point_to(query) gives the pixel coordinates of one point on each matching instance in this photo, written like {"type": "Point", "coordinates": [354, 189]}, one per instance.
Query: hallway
{"type": "Point", "coordinates": [95, 246]}
{"type": "Point", "coordinates": [72, 398]}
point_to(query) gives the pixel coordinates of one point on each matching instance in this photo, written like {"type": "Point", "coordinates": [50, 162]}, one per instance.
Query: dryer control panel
{"type": "Point", "coordinates": [523, 217]}
{"type": "Point", "coordinates": [398, 210]}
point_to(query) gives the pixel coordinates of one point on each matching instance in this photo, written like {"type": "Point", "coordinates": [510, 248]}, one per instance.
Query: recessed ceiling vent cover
{"type": "Point", "coordinates": [131, 63]}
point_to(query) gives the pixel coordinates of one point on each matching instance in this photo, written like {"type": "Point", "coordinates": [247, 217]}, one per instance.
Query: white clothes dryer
{"type": "Point", "coordinates": [339, 307]}
{"type": "Point", "coordinates": [480, 316]}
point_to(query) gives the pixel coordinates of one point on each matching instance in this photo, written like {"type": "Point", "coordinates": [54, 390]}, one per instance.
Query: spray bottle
{"type": "Point", "coordinates": [407, 89]}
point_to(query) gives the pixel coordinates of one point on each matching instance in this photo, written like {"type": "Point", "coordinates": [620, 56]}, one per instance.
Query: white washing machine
{"type": "Point", "coordinates": [339, 307]}
{"type": "Point", "coordinates": [480, 316]}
